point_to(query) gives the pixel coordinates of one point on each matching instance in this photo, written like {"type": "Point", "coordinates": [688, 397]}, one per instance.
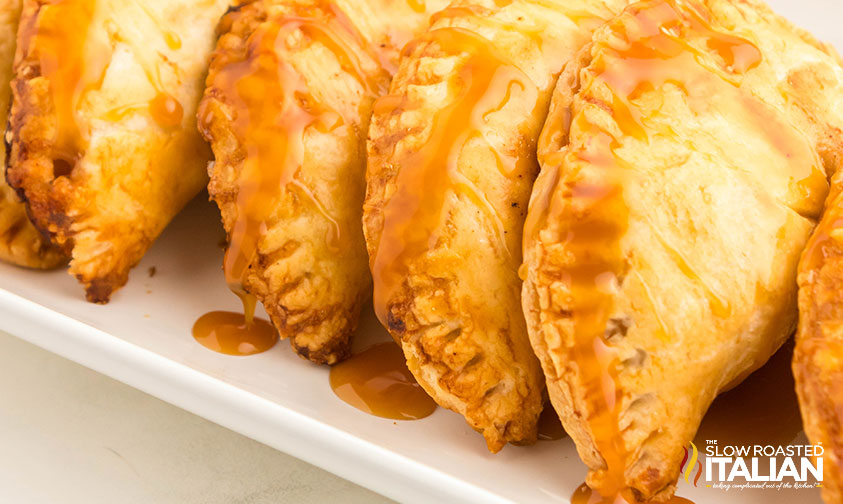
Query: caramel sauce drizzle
{"type": "Point", "coordinates": [585, 19]}
{"type": "Point", "coordinates": [428, 177]}
{"type": "Point", "coordinates": [419, 6]}
{"type": "Point", "coordinates": [691, 43]}
{"type": "Point", "coordinates": [74, 54]}
{"type": "Point", "coordinates": [273, 109]}
{"type": "Point", "coordinates": [166, 110]}
{"type": "Point", "coordinates": [398, 38]}
{"type": "Point", "coordinates": [73, 61]}
{"type": "Point", "coordinates": [377, 381]}
{"type": "Point", "coordinates": [171, 38]}
{"type": "Point", "coordinates": [653, 44]}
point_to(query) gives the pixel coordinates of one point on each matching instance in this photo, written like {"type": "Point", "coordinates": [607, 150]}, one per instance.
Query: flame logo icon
{"type": "Point", "coordinates": [694, 461]}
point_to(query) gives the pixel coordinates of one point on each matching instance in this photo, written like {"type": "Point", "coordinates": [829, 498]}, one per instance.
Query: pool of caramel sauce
{"type": "Point", "coordinates": [377, 381]}
{"type": "Point", "coordinates": [231, 333]}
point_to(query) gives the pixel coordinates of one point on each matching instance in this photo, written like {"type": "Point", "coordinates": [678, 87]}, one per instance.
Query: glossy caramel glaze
{"type": "Point", "coordinates": [429, 176]}
{"type": "Point", "coordinates": [231, 334]}
{"type": "Point", "coordinates": [273, 109]}
{"type": "Point", "coordinates": [451, 162]}
{"type": "Point", "coordinates": [654, 48]}
{"type": "Point", "coordinates": [631, 270]}
{"type": "Point", "coordinates": [377, 382]}
{"type": "Point", "coordinates": [58, 36]}
{"type": "Point", "coordinates": [287, 104]}
{"type": "Point", "coordinates": [104, 147]}
{"type": "Point", "coordinates": [166, 110]}
{"type": "Point", "coordinates": [76, 64]}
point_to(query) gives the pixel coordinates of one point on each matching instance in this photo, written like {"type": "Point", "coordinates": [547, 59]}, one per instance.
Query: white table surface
{"type": "Point", "coordinates": [71, 435]}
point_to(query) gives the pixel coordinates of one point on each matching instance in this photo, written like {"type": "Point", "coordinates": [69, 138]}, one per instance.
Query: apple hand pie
{"type": "Point", "coordinates": [20, 242]}
{"type": "Point", "coordinates": [104, 147]}
{"type": "Point", "coordinates": [450, 169]}
{"type": "Point", "coordinates": [684, 166]}
{"type": "Point", "coordinates": [287, 106]}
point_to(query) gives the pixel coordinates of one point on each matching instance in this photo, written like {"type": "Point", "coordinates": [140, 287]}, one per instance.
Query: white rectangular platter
{"type": "Point", "coordinates": [142, 338]}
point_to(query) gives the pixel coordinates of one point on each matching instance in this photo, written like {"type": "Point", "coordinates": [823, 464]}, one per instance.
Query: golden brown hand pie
{"type": "Point", "coordinates": [451, 164]}
{"type": "Point", "coordinates": [287, 107]}
{"type": "Point", "coordinates": [684, 166]}
{"type": "Point", "coordinates": [104, 147]}
{"type": "Point", "coordinates": [20, 242]}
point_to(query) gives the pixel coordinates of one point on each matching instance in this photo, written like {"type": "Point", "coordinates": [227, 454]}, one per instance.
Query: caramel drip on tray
{"type": "Point", "coordinates": [273, 109]}
{"type": "Point", "coordinates": [231, 334]}
{"type": "Point", "coordinates": [378, 382]}
{"type": "Point", "coordinates": [428, 177]}
{"type": "Point", "coordinates": [654, 44]}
